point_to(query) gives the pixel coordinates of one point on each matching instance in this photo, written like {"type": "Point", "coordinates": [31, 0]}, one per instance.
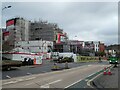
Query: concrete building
{"type": "Point", "coordinates": [43, 30]}
{"type": "Point", "coordinates": [38, 46]}
{"type": "Point", "coordinates": [89, 45]}
{"type": "Point", "coordinates": [61, 43]}
{"type": "Point", "coordinates": [75, 46]}
{"type": "Point", "coordinates": [93, 47]}
{"type": "Point", "coordinates": [18, 30]}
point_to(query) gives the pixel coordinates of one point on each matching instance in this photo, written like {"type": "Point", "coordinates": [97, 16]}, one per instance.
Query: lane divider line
{"type": "Point", "coordinates": [73, 83]}
{"type": "Point", "coordinates": [89, 65]}
{"type": "Point", "coordinates": [30, 78]}
{"type": "Point", "coordinates": [19, 80]}
{"type": "Point", "coordinates": [11, 82]}
{"type": "Point", "coordinates": [90, 74]}
{"type": "Point", "coordinates": [47, 85]}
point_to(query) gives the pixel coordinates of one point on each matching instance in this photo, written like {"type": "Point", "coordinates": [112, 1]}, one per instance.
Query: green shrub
{"type": "Point", "coordinates": [66, 59]}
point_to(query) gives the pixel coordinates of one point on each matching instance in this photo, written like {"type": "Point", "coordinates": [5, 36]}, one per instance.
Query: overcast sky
{"type": "Point", "coordinates": [89, 21]}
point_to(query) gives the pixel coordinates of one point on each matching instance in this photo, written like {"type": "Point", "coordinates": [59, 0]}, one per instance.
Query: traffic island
{"type": "Point", "coordinates": [105, 81]}
{"type": "Point", "coordinates": [57, 67]}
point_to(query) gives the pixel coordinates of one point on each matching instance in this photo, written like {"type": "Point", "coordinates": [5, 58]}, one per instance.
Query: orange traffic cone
{"type": "Point", "coordinates": [105, 73]}
{"type": "Point", "coordinates": [109, 72]}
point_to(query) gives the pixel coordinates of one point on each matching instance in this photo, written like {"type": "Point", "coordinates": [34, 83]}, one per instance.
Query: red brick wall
{"type": "Point", "coordinates": [101, 47]}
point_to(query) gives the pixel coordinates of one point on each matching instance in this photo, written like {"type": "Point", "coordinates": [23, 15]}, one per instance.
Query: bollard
{"type": "Point", "coordinates": [109, 72]}
{"type": "Point", "coordinates": [105, 73]}
{"type": "Point", "coordinates": [55, 66]}
{"type": "Point", "coordinates": [66, 65]}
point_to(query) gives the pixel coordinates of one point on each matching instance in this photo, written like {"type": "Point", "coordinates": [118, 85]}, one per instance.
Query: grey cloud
{"type": "Point", "coordinates": [79, 19]}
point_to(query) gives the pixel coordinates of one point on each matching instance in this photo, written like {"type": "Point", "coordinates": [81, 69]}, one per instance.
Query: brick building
{"type": "Point", "coordinates": [101, 47]}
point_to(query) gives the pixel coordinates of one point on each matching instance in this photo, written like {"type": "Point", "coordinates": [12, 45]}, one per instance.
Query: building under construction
{"type": "Point", "coordinates": [42, 30]}
{"type": "Point", "coordinates": [19, 29]}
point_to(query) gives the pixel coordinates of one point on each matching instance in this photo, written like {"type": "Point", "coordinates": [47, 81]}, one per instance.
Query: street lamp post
{"type": "Point", "coordinates": [6, 7]}
{"type": "Point", "coordinates": [1, 29]}
{"type": "Point", "coordinates": [76, 44]}
{"type": "Point", "coordinates": [1, 34]}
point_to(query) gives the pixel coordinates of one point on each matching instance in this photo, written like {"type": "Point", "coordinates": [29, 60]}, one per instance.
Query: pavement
{"type": "Point", "coordinates": [57, 79]}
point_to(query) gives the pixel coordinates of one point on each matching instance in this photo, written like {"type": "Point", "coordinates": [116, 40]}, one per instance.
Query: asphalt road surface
{"type": "Point", "coordinates": [45, 67]}
{"type": "Point", "coordinates": [57, 79]}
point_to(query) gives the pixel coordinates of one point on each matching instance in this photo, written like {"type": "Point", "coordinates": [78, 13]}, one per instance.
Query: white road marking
{"type": "Point", "coordinates": [73, 83]}
{"type": "Point", "coordinates": [89, 65]}
{"type": "Point", "coordinates": [10, 82]}
{"type": "Point", "coordinates": [88, 83]}
{"type": "Point", "coordinates": [91, 74]}
{"type": "Point", "coordinates": [18, 80]}
{"type": "Point", "coordinates": [86, 79]}
{"type": "Point", "coordinates": [8, 76]}
{"type": "Point", "coordinates": [47, 85]}
{"type": "Point", "coordinates": [28, 84]}
{"type": "Point", "coordinates": [30, 78]}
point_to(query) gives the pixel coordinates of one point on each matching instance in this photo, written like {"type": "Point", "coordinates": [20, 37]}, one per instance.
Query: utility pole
{"type": "Point", "coordinates": [4, 8]}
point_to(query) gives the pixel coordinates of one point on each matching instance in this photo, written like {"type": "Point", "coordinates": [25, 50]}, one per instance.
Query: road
{"type": "Point", "coordinates": [57, 79]}
{"type": "Point", "coordinates": [45, 67]}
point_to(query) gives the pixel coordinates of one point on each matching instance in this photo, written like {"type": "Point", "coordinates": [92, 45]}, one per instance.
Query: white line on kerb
{"type": "Point", "coordinates": [73, 83]}
{"type": "Point", "coordinates": [47, 85]}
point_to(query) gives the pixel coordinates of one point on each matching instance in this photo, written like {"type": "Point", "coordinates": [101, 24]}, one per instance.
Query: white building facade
{"type": "Point", "coordinates": [39, 46]}
{"type": "Point", "coordinates": [96, 46]}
